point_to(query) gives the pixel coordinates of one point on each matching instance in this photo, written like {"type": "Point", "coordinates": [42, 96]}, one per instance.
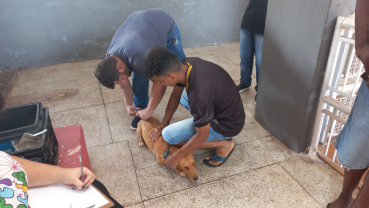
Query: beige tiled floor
{"type": "Point", "coordinates": [260, 173]}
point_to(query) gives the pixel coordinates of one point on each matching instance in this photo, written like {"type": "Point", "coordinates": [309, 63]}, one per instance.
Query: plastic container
{"type": "Point", "coordinates": [17, 120]}
{"type": "Point", "coordinates": [47, 150]}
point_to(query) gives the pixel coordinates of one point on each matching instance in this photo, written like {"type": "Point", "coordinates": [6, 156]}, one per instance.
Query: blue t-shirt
{"type": "Point", "coordinates": [139, 34]}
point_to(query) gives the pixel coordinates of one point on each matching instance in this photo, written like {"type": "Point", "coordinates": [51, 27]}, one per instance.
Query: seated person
{"type": "Point", "coordinates": [18, 174]}
{"type": "Point", "coordinates": [212, 97]}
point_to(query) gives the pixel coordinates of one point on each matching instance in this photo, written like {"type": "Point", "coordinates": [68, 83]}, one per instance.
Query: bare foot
{"type": "Point", "coordinates": [222, 152]}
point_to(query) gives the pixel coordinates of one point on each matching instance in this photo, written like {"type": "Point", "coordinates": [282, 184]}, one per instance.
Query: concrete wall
{"type": "Point", "coordinates": [297, 40]}
{"type": "Point", "coordinates": [42, 32]}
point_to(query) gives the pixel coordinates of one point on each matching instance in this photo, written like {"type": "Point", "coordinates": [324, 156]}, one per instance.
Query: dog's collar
{"type": "Point", "coordinates": [166, 153]}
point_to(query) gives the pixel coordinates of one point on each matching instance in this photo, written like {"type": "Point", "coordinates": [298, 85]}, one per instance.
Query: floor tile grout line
{"type": "Point", "coordinates": [11, 84]}
{"type": "Point", "coordinates": [213, 181]}
{"type": "Point", "coordinates": [54, 68]}
{"type": "Point", "coordinates": [122, 101]}
{"type": "Point", "coordinates": [298, 183]}
{"type": "Point", "coordinates": [117, 142]}
{"type": "Point", "coordinates": [251, 140]}
{"type": "Point", "coordinates": [215, 49]}
{"type": "Point", "coordinates": [78, 108]}
{"type": "Point", "coordinates": [236, 144]}
{"type": "Point", "coordinates": [159, 164]}
{"type": "Point", "coordinates": [106, 113]}
{"type": "Point", "coordinates": [226, 57]}
{"type": "Point", "coordinates": [138, 184]}
{"type": "Point", "coordinates": [102, 145]}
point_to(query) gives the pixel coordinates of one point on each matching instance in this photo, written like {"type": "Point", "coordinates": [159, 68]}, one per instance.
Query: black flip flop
{"type": "Point", "coordinates": [215, 157]}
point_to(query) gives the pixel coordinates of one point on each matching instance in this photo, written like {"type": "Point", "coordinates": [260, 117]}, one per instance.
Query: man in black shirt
{"type": "Point", "coordinates": [212, 97]}
{"type": "Point", "coordinates": [251, 41]}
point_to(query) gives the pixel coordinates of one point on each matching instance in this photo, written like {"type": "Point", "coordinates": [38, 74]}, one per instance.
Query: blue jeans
{"type": "Point", "coordinates": [183, 131]}
{"type": "Point", "coordinates": [140, 83]}
{"type": "Point", "coordinates": [353, 141]}
{"type": "Point", "coordinates": [250, 44]}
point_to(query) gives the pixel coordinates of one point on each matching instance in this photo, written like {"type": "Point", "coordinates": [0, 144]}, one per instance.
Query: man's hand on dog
{"type": "Point", "coordinates": [155, 133]}
{"type": "Point", "coordinates": [132, 110]}
{"type": "Point", "coordinates": [171, 161]}
{"type": "Point", "coordinates": [144, 114]}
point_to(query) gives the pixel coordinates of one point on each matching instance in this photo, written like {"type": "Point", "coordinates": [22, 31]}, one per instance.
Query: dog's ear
{"type": "Point", "coordinates": [180, 163]}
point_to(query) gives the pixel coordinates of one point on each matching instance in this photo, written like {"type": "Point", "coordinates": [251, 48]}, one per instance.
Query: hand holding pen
{"type": "Point", "coordinates": [77, 177]}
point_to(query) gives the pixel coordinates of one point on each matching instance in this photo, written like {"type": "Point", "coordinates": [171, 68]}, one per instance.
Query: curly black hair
{"type": "Point", "coordinates": [106, 72]}
{"type": "Point", "coordinates": [161, 62]}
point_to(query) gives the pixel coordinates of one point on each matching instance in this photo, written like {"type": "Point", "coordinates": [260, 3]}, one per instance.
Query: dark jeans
{"type": "Point", "coordinates": [250, 44]}
{"type": "Point", "coordinates": [105, 191]}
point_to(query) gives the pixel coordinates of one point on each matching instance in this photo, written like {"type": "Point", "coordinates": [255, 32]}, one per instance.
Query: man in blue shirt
{"type": "Point", "coordinates": [136, 37]}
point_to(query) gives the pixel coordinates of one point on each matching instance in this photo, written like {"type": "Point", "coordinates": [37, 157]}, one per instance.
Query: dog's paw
{"type": "Point", "coordinates": [183, 174]}
{"type": "Point", "coordinates": [141, 144]}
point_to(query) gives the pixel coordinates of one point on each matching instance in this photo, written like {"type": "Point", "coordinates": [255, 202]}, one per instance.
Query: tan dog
{"type": "Point", "coordinates": [186, 166]}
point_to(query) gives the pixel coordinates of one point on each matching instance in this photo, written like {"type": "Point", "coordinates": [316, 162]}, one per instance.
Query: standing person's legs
{"type": "Point", "coordinates": [247, 51]}
{"type": "Point", "coordinates": [352, 150]}
{"type": "Point", "coordinates": [174, 44]}
{"type": "Point", "coordinates": [258, 38]}
{"type": "Point", "coordinates": [140, 85]}
{"type": "Point", "coordinates": [362, 199]}
{"type": "Point", "coordinates": [351, 180]}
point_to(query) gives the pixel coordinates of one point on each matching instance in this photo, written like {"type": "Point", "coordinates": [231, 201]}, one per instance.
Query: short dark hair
{"type": "Point", "coordinates": [106, 72]}
{"type": "Point", "coordinates": [161, 62]}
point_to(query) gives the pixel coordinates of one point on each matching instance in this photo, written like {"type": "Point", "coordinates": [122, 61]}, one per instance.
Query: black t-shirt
{"type": "Point", "coordinates": [254, 17]}
{"type": "Point", "coordinates": [213, 98]}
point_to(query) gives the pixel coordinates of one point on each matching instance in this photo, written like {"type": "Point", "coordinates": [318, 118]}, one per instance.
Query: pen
{"type": "Point", "coordinates": [83, 176]}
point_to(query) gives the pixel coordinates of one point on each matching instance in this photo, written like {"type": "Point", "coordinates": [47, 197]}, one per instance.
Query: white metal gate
{"type": "Point", "coordinates": [340, 85]}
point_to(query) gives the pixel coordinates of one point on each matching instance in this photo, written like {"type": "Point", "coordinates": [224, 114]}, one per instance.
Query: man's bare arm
{"type": "Point", "coordinates": [172, 106]}
{"type": "Point", "coordinates": [127, 93]}
{"type": "Point", "coordinates": [194, 143]}
{"type": "Point", "coordinates": [157, 94]}
{"type": "Point", "coordinates": [40, 174]}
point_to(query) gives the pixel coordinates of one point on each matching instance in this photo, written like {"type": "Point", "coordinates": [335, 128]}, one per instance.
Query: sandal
{"type": "Point", "coordinates": [217, 158]}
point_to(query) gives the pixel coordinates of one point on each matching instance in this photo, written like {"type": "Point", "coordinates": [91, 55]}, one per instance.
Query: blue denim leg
{"type": "Point", "coordinates": [184, 100]}
{"type": "Point", "coordinates": [140, 85]}
{"type": "Point", "coordinates": [176, 47]}
{"type": "Point", "coordinates": [183, 131]}
{"type": "Point", "coordinates": [247, 51]}
{"type": "Point", "coordinates": [353, 141]}
{"type": "Point", "coordinates": [258, 38]}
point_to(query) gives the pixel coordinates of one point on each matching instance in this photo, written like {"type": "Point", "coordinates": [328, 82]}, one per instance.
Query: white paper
{"type": "Point", "coordinates": [62, 196]}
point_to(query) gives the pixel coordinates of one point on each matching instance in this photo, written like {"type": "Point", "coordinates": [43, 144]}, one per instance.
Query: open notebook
{"type": "Point", "coordinates": [62, 196]}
